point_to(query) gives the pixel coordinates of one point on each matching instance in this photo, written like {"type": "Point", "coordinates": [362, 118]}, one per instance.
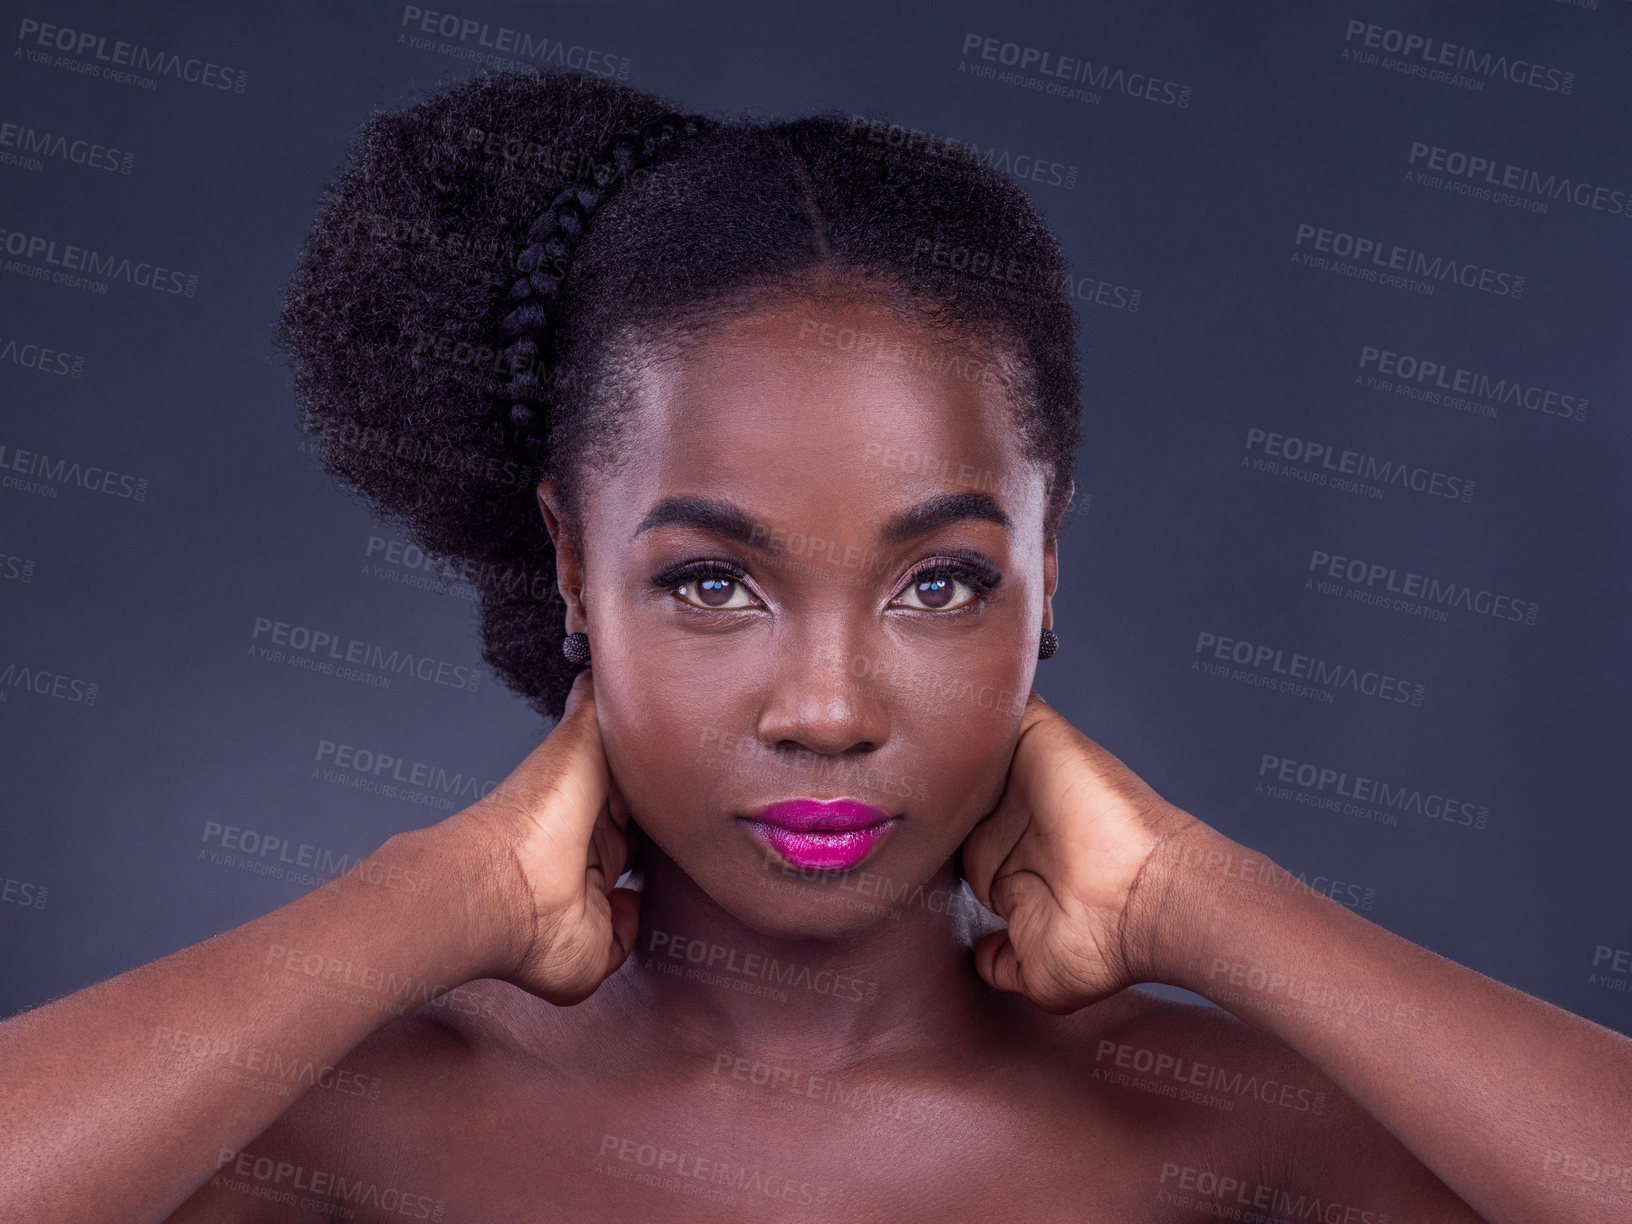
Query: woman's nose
{"type": "Point", "coordinates": [824, 692]}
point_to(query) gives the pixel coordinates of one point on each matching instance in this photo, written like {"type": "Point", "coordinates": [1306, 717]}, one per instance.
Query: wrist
{"type": "Point", "coordinates": [463, 883]}
{"type": "Point", "coordinates": [1170, 908]}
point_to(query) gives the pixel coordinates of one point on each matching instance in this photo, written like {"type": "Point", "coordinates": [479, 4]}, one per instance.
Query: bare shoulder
{"type": "Point", "coordinates": [1250, 1121]}
{"type": "Point", "coordinates": [343, 1138]}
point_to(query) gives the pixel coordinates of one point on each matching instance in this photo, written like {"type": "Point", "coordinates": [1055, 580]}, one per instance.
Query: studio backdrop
{"type": "Point", "coordinates": [1346, 571]}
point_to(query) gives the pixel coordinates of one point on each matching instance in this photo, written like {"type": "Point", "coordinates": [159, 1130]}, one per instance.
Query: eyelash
{"type": "Point", "coordinates": [978, 573]}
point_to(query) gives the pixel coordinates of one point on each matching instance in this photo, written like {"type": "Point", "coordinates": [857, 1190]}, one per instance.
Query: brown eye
{"type": "Point", "coordinates": [715, 591]}
{"type": "Point", "coordinates": [936, 591]}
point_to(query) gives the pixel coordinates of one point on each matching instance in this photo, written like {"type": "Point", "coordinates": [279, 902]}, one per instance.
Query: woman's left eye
{"type": "Point", "coordinates": [936, 590]}
{"type": "Point", "coordinates": [720, 586]}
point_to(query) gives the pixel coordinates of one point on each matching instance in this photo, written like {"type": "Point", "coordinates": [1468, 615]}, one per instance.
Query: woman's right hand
{"type": "Point", "coordinates": [555, 833]}
{"type": "Point", "coordinates": [515, 886]}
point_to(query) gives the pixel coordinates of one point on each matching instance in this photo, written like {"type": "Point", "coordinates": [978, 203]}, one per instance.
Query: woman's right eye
{"type": "Point", "coordinates": [715, 590]}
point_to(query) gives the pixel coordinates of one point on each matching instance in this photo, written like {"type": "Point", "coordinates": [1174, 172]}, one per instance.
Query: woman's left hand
{"type": "Point", "coordinates": [1059, 858]}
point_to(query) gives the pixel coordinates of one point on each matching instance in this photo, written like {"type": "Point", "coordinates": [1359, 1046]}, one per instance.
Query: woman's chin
{"type": "Point", "coordinates": [789, 902]}
{"type": "Point", "coordinates": [773, 887]}
{"type": "Point", "coordinates": [814, 916]}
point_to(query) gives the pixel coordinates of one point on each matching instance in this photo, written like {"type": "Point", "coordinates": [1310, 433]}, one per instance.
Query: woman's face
{"type": "Point", "coordinates": [785, 585]}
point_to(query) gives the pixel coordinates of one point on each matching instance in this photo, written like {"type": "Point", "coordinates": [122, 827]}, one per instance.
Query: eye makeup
{"type": "Point", "coordinates": [709, 576]}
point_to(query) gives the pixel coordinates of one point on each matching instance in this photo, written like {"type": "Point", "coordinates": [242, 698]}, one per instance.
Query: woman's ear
{"type": "Point", "coordinates": [569, 565]}
{"type": "Point", "coordinates": [1051, 563]}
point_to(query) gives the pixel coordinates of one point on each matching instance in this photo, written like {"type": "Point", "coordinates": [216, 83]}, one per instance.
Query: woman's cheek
{"type": "Point", "coordinates": [961, 763]}
{"type": "Point", "coordinates": [636, 751]}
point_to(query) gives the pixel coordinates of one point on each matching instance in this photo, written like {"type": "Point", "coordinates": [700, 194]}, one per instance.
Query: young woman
{"type": "Point", "coordinates": [787, 415]}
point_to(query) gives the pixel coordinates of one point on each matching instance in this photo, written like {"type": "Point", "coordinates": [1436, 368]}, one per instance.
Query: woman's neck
{"type": "Point", "coordinates": [705, 987]}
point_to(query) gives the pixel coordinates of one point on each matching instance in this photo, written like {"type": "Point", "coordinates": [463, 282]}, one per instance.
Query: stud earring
{"type": "Point", "coordinates": [1048, 645]}
{"type": "Point", "coordinates": [576, 647]}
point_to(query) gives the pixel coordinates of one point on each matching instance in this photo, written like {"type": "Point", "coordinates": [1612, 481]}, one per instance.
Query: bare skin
{"type": "Point", "coordinates": [816, 1046]}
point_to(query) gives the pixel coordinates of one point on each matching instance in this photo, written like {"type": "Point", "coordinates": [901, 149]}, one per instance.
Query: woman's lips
{"type": "Point", "coordinates": [822, 851]}
{"type": "Point", "coordinates": [821, 835]}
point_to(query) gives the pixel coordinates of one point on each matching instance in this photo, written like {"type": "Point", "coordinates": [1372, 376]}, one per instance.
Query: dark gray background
{"type": "Point", "coordinates": [104, 857]}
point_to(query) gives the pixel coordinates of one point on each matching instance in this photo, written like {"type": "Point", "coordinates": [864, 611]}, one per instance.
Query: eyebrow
{"type": "Point", "coordinates": [724, 518]}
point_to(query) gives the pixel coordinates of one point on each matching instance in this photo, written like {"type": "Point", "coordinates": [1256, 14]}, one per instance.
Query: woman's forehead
{"type": "Point", "coordinates": [769, 416]}
{"type": "Point", "coordinates": [820, 382]}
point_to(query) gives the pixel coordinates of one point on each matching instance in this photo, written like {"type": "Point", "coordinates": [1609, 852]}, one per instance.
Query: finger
{"type": "Point", "coordinates": [557, 765]}
{"type": "Point", "coordinates": [989, 845]}
{"type": "Point", "coordinates": [573, 764]}
{"type": "Point", "coordinates": [581, 692]}
{"type": "Point", "coordinates": [609, 847]}
{"type": "Point", "coordinates": [997, 963]}
{"type": "Point", "coordinates": [625, 903]}
{"type": "Point", "coordinates": [595, 878]}
{"type": "Point", "coordinates": [1036, 709]}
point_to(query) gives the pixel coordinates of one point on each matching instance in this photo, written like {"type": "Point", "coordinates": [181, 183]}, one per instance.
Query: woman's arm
{"type": "Point", "coordinates": [117, 1107]}
{"type": "Point", "coordinates": [1522, 1108]}
{"type": "Point", "coordinates": [124, 1098]}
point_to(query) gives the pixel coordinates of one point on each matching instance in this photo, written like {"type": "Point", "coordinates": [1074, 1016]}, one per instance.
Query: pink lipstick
{"type": "Point", "coordinates": [821, 834]}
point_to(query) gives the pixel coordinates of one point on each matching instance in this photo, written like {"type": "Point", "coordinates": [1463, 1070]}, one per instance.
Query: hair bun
{"type": "Point", "coordinates": [551, 240]}
{"type": "Point", "coordinates": [397, 310]}
{"type": "Point", "coordinates": [394, 320]}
